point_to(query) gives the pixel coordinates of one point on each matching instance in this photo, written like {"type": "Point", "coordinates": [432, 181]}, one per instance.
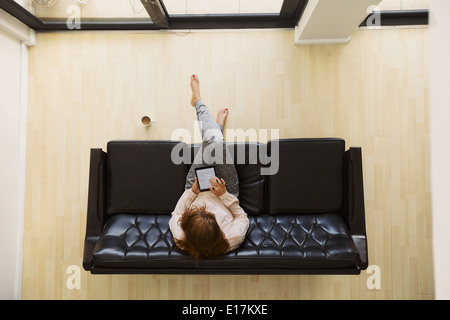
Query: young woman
{"type": "Point", "coordinates": [210, 223]}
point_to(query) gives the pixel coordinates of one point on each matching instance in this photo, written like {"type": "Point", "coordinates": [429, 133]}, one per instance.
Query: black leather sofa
{"type": "Point", "coordinates": [308, 218]}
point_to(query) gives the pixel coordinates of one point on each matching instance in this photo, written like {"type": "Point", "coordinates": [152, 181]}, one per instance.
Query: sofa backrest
{"type": "Point", "coordinates": [310, 176]}
{"type": "Point", "coordinates": [248, 160]}
{"type": "Point", "coordinates": [142, 177]}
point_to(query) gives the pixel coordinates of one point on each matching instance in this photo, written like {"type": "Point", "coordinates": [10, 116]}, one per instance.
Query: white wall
{"type": "Point", "coordinates": [13, 74]}
{"type": "Point", "coordinates": [440, 145]}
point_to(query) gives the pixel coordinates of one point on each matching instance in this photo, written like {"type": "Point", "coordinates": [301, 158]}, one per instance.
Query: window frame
{"type": "Point", "coordinates": [290, 14]}
{"type": "Point", "coordinates": [390, 18]}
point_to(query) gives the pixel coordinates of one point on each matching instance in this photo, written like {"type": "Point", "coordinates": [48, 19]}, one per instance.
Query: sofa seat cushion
{"type": "Point", "coordinates": [299, 241]}
{"type": "Point", "coordinates": [273, 241]}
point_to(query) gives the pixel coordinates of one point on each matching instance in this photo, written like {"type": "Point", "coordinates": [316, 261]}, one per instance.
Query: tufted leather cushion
{"type": "Point", "coordinates": [135, 240]}
{"type": "Point", "coordinates": [142, 177]}
{"type": "Point", "coordinates": [310, 176]}
{"type": "Point", "coordinates": [273, 241]}
{"type": "Point", "coordinates": [302, 240]}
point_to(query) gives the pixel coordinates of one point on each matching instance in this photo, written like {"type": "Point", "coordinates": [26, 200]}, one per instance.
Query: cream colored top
{"type": "Point", "coordinates": [229, 215]}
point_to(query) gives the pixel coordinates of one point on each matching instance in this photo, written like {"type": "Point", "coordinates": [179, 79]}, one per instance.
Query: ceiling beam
{"type": "Point", "coordinates": [157, 12]}
{"type": "Point", "coordinates": [331, 21]}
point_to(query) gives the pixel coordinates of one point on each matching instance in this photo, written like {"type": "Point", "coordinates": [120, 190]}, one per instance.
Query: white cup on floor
{"type": "Point", "coordinates": [146, 121]}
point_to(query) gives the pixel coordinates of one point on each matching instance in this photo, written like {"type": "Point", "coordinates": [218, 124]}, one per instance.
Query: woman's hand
{"type": "Point", "coordinates": [195, 187]}
{"type": "Point", "coordinates": [218, 186]}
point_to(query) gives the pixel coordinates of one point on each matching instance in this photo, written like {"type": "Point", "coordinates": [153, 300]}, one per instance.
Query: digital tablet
{"type": "Point", "coordinates": [203, 175]}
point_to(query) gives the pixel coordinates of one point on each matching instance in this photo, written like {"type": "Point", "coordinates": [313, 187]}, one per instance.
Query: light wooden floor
{"type": "Point", "coordinates": [87, 89]}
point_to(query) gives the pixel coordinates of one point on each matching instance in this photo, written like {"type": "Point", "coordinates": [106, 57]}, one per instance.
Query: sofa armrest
{"type": "Point", "coordinates": [96, 208]}
{"type": "Point", "coordinates": [355, 203]}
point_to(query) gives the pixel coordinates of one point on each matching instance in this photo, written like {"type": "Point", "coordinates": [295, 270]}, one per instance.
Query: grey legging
{"type": "Point", "coordinates": [213, 151]}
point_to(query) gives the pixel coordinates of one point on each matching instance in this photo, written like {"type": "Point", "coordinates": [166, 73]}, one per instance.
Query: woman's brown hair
{"type": "Point", "coordinates": [203, 237]}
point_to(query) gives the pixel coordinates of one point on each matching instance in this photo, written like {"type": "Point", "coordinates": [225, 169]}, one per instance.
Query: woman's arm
{"type": "Point", "coordinates": [232, 203]}
{"type": "Point", "coordinates": [183, 204]}
{"type": "Point", "coordinates": [240, 218]}
{"type": "Point", "coordinates": [240, 222]}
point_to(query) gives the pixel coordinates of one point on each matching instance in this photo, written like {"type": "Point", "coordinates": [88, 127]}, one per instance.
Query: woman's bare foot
{"type": "Point", "coordinates": [222, 116]}
{"type": "Point", "coordinates": [195, 86]}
